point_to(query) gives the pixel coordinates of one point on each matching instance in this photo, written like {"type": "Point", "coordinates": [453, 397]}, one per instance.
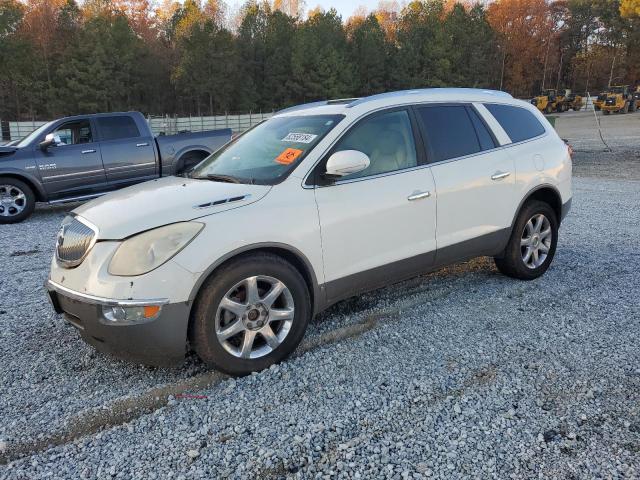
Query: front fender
{"type": "Point", "coordinates": [33, 179]}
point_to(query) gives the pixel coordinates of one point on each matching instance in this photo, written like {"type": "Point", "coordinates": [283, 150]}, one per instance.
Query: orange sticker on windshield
{"type": "Point", "coordinates": [289, 156]}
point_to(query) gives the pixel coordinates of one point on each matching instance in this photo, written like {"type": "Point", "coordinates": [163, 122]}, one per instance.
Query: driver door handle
{"type": "Point", "coordinates": [88, 151]}
{"type": "Point", "coordinates": [418, 196]}
{"type": "Point", "coordinates": [500, 175]}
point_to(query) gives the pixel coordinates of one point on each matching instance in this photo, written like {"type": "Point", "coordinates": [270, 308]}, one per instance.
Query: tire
{"type": "Point", "coordinates": [548, 110]}
{"type": "Point", "coordinates": [17, 200]}
{"type": "Point", "coordinates": [512, 262]}
{"type": "Point", "coordinates": [606, 112]}
{"type": "Point", "coordinates": [210, 319]}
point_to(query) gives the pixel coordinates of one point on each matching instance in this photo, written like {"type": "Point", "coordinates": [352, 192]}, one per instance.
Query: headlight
{"type": "Point", "coordinates": [148, 250]}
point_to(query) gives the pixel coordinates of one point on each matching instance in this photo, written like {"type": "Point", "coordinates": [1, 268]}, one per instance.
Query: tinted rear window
{"type": "Point", "coordinates": [113, 128]}
{"type": "Point", "coordinates": [519, 123]}
{"type": "Point", "coordinates": [448, 131]}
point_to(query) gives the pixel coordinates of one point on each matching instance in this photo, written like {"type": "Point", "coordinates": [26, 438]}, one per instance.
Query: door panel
{"type": "Point", "coordinates": [128, 155]}
{"type": "Point", "coordinates": [372, 223]}
{"type": "Point", "coordinates": [474, 179]}
{"type": "Point", "coordinates": [73, 166]}
{"type": "Point", "coordinates": [470, 202]}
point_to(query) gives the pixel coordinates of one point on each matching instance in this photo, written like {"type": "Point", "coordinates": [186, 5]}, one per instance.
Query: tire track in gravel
{"type": "Point", "coordinates": [127, 409]}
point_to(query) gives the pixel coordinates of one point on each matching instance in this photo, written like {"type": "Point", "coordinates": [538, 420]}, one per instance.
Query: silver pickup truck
{"type": "Point", "coordinates": [81, 157]}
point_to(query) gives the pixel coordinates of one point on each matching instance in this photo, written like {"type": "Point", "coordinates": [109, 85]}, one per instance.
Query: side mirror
{"type": "Point", "coordinates": [49, 141]}
{"type": "Point", "coordinates": [346, 162]}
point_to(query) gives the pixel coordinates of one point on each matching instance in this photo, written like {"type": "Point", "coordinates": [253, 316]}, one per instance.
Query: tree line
{"type": "Point", "coordinates": [60, 57]}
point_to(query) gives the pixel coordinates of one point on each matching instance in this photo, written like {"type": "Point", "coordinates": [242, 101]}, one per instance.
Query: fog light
{"type": "Point", "coordinates": [130, 315]}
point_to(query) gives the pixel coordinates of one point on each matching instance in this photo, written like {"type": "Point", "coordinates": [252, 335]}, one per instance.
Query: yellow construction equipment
{"type": "Point", "coordinates": [547, 101]}
{"type": "Point", "coordinates": [636, 98]}
{"type": "Point", "coordinates": [573, 101]}
{"type": "Point", "coordinates": [619, 99]}
{"type": "Point", "coordinates": [599, 101]}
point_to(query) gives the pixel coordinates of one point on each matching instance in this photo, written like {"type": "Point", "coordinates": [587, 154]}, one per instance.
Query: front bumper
{"type": "Point", "coordinates": [160, 342]}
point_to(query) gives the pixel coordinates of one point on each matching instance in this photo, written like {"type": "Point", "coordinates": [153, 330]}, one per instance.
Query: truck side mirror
{"type": "Point", "coordinates": [49, 141]}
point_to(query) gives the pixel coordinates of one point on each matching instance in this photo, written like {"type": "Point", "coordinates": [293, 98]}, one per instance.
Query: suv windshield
{"type": "Point", "coordinates": [267, 153]}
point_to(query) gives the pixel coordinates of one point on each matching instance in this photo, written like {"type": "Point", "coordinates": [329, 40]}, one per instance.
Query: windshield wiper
{"type": "Point", "coordinates": [221, 178]}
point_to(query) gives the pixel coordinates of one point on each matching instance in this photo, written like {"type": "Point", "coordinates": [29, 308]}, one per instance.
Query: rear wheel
{"type": "Point", "coordinates": [548, 109]}
{"type": "Point", "coordinates": [606, 112]}
{"type": "Point", "coordinates": [532, 244]}
{"type": "Point", "coordinates": [17, 200]}
{"type": "Point", "coordinates": [251, 314]}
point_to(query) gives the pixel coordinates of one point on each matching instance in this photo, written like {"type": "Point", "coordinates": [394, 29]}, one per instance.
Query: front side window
{"type": "Point", "coordinates": [519, 123]}
{"type": "Point", "coordinates": [268, 152]}
{"type": "Point", "coordinates": [114, 128]}
{"type": "Point", "coordinates": [73, 133]}
{"type": "Point", "coordinates": [388, 141]}
{"type": "Point", "coordinates": [448, 131]}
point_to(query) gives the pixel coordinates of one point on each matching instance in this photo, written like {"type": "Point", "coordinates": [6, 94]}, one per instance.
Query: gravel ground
{"type": "Point", "coordinates": [462, 373]}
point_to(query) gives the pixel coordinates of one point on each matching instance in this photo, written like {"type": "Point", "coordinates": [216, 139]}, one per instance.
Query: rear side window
{"type": "Point", "coordinates": [519, 123]}
{"type": "Point", "coordinates": [113, 128]}
{"type": "Point", "coordinates": [484, 137]}
{"type": "Point", "coordinates": [449, 131]}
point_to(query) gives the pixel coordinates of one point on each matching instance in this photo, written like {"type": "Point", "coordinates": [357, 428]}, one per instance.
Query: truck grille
{"type": "Point", "coordinates": [75, 239]}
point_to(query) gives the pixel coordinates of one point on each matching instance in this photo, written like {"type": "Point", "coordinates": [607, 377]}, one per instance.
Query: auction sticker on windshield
{"type": "Point", "coordinates": [299, 137]}
{"type": "Point", "coordinates": [289, 156]}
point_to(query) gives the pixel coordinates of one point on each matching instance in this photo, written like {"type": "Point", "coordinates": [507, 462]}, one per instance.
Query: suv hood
{"type": "Point", "coordinates": [161, 202]}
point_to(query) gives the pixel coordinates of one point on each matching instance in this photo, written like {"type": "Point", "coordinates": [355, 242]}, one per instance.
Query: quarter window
{"type": "Point", "coordinates": [113, 128]}
{"type": "Point", "coordinates": [449, 131]}
{"type": "Point", "coordinates": [519, 123]}
{"type": "Point", "coordinates": [388, 141]}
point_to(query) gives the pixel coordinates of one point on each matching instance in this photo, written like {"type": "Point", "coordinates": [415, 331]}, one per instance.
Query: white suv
{"type": "Point", "coordinates": [321, 202]}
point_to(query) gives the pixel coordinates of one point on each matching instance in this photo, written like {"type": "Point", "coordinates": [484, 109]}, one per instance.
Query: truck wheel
{"type": "Point", "coordinates": [250, 314]}
{"type": "Point", "coordinates": [606, 112]}
{"type": "Point", "coordinates": [532, 244]}
{"type": "Point", "coordinates": [17, 200]}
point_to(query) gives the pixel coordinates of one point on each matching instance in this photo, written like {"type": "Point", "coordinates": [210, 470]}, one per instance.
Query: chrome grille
{"type": "Point", "coordinates": [75, 239]}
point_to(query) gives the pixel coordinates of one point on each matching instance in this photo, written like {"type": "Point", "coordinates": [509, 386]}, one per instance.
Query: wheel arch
{"type": "Point", "coordinates": [39, 192]}
{"type": "Point", "coordinates": [291, 254]}
{"type": "Point", "coordinates": [201, 151]}
{"type": "Point", "coordinates": [545, 193]}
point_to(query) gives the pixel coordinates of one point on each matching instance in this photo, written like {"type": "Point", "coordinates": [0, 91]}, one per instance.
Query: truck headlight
{"type": "Point", "coordinates": [148, 250]}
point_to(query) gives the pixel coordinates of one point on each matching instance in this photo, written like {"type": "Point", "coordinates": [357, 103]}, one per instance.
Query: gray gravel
{"type": "Point", "coordinates": [463, 373]}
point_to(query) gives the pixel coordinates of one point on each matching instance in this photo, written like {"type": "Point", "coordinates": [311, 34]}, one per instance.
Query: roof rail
{"type": "Point", "coordinates": [419, 91]}
{"type": "Point", "coordinates": [304, 106]}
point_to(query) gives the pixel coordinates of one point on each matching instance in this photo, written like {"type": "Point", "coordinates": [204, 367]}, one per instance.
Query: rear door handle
{"type": "Point", "coordinates": [88, 151]}
{"type": "Point", "coordinates": [418, 196]}
{"type": "Point", "coordinates": [500, 175]}
{"type": "Point", "coordinates": [142, 145]}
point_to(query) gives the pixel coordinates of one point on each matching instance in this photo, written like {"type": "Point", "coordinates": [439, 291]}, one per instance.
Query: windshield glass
{"type": "Point", "coordinates": [33, 135]}
{"type": "Point", "coordinates": [617, 89]}
{"type": "Point", "coordinates": [268, 152]}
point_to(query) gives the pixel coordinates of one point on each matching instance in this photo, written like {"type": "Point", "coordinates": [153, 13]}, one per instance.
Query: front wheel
{"type": "Point", "coordinates": [532, 244]}
{"type": "Point", "coordinates": [17, 200]}
{"type": "Point", "coordinates": [250, 314]}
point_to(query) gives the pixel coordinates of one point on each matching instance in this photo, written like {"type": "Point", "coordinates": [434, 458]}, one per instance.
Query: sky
{"type": "Point", "coordinates": [344, 7]}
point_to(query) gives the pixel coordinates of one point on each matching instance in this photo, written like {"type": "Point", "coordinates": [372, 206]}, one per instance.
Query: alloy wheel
{"type": "Point", "coordinates": [254, 317]}
{"type": "Point", "coordinates": [535, 242]}
{"type": "Point", "coordinates": [12, 200]}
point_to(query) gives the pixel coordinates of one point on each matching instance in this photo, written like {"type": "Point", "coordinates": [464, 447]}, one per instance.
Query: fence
{"type": "Point", "coordinates": [166, 125]}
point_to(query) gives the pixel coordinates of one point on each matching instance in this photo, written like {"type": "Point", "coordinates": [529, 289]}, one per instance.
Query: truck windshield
{"type": "Point", "coordinates": [33, 135]}
{"type": "Point", "coordinates": [267, 153]}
